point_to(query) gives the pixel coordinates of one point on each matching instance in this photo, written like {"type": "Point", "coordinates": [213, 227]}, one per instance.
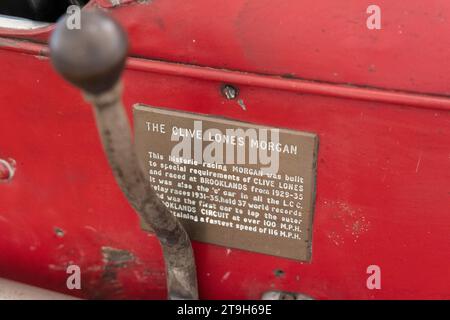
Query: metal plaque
{"type": "Point", "coordinates": [231, 183]}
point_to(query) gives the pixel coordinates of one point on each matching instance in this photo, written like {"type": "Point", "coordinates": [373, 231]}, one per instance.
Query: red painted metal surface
{"type": "Point", "coordinates": [325, 41]}
{"type": "Point", "coordinates": [383, 188]}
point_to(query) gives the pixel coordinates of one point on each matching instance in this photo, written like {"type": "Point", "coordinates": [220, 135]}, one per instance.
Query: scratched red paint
{"type": "Point", "coordinates": [383, 184]}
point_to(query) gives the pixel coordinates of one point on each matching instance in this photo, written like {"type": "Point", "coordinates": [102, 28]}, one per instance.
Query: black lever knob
{"type": "Point", "coordinates": [93, 56]}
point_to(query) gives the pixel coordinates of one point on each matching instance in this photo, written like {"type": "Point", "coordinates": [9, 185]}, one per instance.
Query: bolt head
{"type": "Point", "coordinates": [7, 169]}
{"type": "Point", "coordinates": [229, 92]}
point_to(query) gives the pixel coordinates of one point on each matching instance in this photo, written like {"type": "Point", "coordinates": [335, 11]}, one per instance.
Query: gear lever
{"type": "Point", "coordinates": [92, 58]}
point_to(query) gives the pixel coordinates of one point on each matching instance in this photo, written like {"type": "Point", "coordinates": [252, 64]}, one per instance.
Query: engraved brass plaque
{"type": "Point", "coordinates": [231, 183]}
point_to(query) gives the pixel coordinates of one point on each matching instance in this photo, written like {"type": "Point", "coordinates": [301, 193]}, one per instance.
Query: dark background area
{"type": "Point", "coordinates": [39, 10]}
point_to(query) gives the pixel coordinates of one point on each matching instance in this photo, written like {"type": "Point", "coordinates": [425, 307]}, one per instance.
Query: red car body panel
{"type": "Point", "coordinates": [376, 98]}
